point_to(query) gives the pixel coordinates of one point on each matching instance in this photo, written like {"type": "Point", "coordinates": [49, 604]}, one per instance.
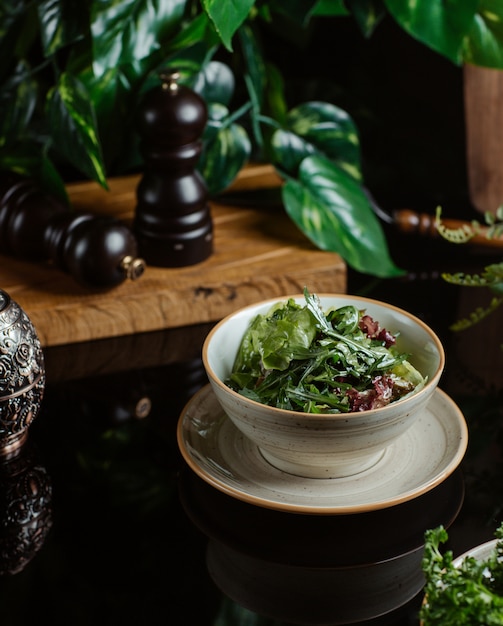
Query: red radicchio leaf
{"type": "Point", "coordinates": [375, 398]}
{"type": "Point", "coordinates": [372, 329]}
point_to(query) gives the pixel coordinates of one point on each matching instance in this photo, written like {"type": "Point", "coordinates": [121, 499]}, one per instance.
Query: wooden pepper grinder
{"type": "Point", "coordinates": [173, 225]}
{"type": "Point", "coordinates": [98, 251]}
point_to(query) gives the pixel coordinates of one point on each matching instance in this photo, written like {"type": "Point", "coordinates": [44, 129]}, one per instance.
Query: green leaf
{"type": "Point", "coordinates": [215, 83]}
{"type": "Point", "coordinates": [23, 158]}
{"type": "Point", "coordinates": [107, 92]}
{"type": "Point", "coordinates": [301, 11]}
{"type": "Point", "coordinates": [18, 100]}
{"type": "Point", "coordinates": [317, 128]}
{"type": "Point", "coordinates": [29, 158]}
{"type": "Point", "coordinates": [441, 25]}
{"type": "Point", "coordinates": [73, 127]}
{"type": "Point", "coordinates": [126, 31]}
{"type": "Point", "coordinates": [226, 149]}
{"type": "Point", "coordinates": [332, 210]}
{"type": "Point", "coordinates": [367, 14]}
{"type": "Point", "coordinates": [330, 8]}
{"type": "Point", "coordinates": [255, 78]}
{"type": "Point", "coordinates": [189, 63]}
{"type": "Point", "coordinates": [113, 98]}
{"type": "Point", "coordinates": [484, 46]}
{"type": "Point", "coordinates": [50, 178]}
{"type": "Point", "coordinates": [288, 150]}
{"type": "Point", "coordinates": [195, 31]}
{"type": "Point", "coordinates": [255, 68]}
{"type": "Point", "coordinates": [227, 17]}
{"type": "Point", "coordinates": [16, 18]}
{"type": "Point", "coordinates": [275, 94]}
{"type": "Point", "coordinates": [62, 22]}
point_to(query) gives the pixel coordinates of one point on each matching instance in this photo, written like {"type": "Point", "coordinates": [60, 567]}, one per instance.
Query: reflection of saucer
{"type": "Point", "coordinates": [419, 460]}
{"type": "Point", "coordinates": [327, 541]}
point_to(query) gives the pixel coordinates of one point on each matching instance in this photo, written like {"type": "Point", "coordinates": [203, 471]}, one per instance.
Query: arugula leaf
{"type": "Point", "coordinates": [313, 304]}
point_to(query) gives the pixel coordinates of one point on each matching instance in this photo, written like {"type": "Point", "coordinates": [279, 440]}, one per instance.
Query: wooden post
{"type": "Point", "coordinates": [483, 98]}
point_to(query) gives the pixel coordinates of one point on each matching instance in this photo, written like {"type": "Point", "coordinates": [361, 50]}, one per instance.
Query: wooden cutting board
{"type": "Point", "coordinates": [258, 253]}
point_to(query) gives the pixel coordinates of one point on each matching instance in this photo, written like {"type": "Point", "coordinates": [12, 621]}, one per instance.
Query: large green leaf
{"type": "Point", "coordinates": [442, 25]}
{"type": "Point", "coordinates": [112, 95]}
{"type": "Point", "coordinates": [107, 92]}
{"type": "Point", "coordinates": [317, 128]}
{"type": "Point", "coordinates": [73, 127]}
{"type": "Point", "coordinates": [332, 210]}
{"type": "Point", "coordinates": [62, 22]}
{"type": "Point", "coordinates": [226, 149]}
{"type": "Point", "coordinates": [484, 46]}
{"type": "Point", "coordinates": [126, 31]}
{"type": "Point", "coordinates": [227, 16]}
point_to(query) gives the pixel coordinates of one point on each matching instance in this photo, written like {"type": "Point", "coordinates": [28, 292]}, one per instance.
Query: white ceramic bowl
{"type": "Point", "coordinates": [324, 446]}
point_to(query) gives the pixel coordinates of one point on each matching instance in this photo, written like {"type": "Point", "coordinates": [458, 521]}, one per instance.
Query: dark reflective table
{"type": "Point", "coordinates": [103, 522]}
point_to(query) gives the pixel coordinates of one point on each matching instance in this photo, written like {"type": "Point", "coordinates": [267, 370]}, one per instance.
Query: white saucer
{"type": "Point", "coordinates": [417, 462]}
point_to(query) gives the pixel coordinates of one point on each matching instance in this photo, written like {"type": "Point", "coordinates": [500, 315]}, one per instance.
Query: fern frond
{"type": "Point", "coordinates": [492, 230]}
{"type": "Point", "coordinates": [454, 235]}
{"type": "Point", "coordinates": [465, 280]}
{"type": "Point", "coordinates": [477, 315]}
{"type": "Point", "coordinates": [495, 231]}
{"type": "Point", "coordinates": [491, 277]}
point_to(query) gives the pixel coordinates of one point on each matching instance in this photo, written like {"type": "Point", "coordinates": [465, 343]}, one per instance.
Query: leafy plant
{"type": "Point", "coordinates": [73, 73]}
{"type": "Point", "coordinates": [490, 278]}
{"type": "Point", "coordinates": [468, 593]}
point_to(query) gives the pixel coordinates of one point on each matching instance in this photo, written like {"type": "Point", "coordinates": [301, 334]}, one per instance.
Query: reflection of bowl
{"type": "Point", "coordinates": [328, 445]}
{"type": "Point", "coordinates": [312, 595]}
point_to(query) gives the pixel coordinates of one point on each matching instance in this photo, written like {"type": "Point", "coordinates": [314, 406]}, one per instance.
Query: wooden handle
{"type": "Point", "coordinates": [409, 221]}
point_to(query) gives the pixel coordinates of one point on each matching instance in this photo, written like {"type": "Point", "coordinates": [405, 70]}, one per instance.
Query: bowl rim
{"type": "Point", "coordinates": [432, 381]}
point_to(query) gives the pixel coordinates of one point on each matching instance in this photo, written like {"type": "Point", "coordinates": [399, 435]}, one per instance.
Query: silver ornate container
{"type": "Point", "coordinates": [22, 375]}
